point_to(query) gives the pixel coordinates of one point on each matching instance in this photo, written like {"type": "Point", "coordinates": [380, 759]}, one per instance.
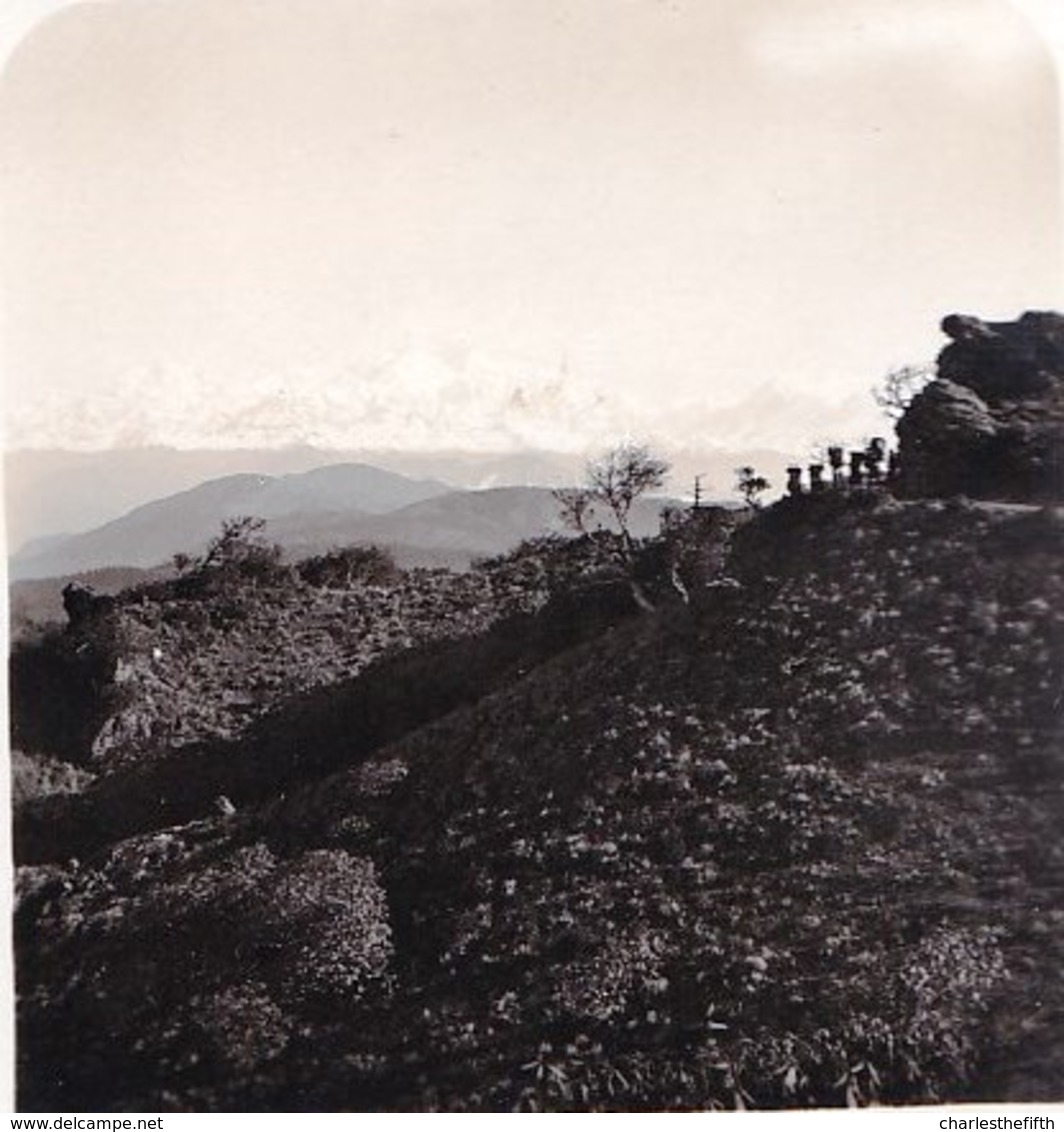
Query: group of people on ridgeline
{"type": "Point", "coordinates": [869, 467]}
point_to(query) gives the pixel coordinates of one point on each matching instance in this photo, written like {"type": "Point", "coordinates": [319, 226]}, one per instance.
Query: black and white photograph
{"type": "Point", "coordinates": [535, 555]}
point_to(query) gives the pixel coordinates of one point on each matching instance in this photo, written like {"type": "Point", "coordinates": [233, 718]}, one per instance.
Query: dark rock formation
{"type": "Point", "coordinates": [992, 425]}
{"type": "Point", "coordinates": [1005, 360]}
{"type": "Point", "coordinates": [946, 437]}
{"type": "Point", "coordinates": [82, 603]}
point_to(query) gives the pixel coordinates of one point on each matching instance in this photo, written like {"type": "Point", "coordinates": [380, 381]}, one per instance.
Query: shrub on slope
{"type": "Point", "coordinates": [184, 964]}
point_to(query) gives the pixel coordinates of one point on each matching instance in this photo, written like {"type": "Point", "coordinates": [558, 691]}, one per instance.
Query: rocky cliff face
{"type": "Point", "coordinates": [992, 425]}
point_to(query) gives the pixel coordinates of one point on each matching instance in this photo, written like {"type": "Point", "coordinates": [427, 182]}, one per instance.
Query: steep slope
{"type": "Point", "coordinates": [794, 844]}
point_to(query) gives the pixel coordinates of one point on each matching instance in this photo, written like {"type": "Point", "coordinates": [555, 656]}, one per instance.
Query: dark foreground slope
{"type": "Point", "coordinates": [795, 844]}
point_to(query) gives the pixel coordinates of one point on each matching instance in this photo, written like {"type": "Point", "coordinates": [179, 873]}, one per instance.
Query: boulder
{"type": "Point", "coordinates": [945, 436]}
{"type": "Point", "coordinates": [991, 425]}
{"type": "Point", "coordinates": [1005, 361]}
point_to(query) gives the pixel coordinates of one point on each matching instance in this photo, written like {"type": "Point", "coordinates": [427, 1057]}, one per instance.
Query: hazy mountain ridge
{"type": "Point", "coordinates": [50, 491]}
{"type": "Point", "coordinates": [422, 522]}
{"type": "Point", "coordinates": [152, 533]}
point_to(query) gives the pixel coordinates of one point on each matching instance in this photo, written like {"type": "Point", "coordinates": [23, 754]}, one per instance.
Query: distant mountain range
{"type": "Point", "coordinates": [422, 521]}
{"type": "Point", "coordinates": [52, 492]}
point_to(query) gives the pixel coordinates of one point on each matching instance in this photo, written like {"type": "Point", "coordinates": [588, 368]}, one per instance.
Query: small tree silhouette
{"type": "Point", "coordinates": [895, 393]}
{"type": "Point", "coordinates": [240, 539]}
{"type": "Point", "coordinates": [238, 553]}
{"type": "Point", "coordinates": [751, 485]}
{"type": "Point", "coordinates": [614, 482]}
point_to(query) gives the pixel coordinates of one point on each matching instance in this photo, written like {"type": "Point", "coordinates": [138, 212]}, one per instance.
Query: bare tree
{"type": "Point", "coordinates": [577, 508]}
{"type": "Point", "coordinates": [895, 393]}
{"type": "Point", "coordinates": [614, 482]}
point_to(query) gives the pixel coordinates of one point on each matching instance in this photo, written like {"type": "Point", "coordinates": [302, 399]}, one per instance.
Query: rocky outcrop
{"type": "Point", "coordinates": [1005, 361]}
{"type": "Point", "coordinates": [82, 604]}
{"type": "Point", "coordinates": [991, 425]}
{"type": "Point", "coordinates": [946, 437]}
{"type": "Point", "coordinates": [132, 679]}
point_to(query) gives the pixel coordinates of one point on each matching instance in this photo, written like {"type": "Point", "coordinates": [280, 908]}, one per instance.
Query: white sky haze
{"type": "Point", "coordinates": [605, 214]}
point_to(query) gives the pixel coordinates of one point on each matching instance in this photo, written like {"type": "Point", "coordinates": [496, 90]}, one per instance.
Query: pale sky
{"type": "Point", "coordinates": [641, 212]}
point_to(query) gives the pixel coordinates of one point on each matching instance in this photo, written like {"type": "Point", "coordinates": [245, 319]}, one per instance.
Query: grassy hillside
{"type": "Point", "coordinates": [794, 843]}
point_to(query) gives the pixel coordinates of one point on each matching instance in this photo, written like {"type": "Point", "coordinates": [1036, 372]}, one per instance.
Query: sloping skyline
{"type": "Point", "coordinates": [658, 213]}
